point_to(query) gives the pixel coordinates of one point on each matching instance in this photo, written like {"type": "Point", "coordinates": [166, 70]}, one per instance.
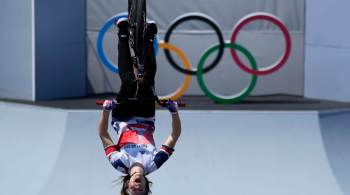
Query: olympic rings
{"type": "Point", "coordinates": [253, 70]}
{"type": "Point", "coordinates": [181, 90]}
{"type": "Point", "coordinates": [234, 98]}
{"type": "Point", "coordinates": [271, 18]}
{"type": "Point", "coordinates": [195, 16]}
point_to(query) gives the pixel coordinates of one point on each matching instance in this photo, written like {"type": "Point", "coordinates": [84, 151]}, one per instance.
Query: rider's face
{"type": "Point", "coordinates": [137, 184]}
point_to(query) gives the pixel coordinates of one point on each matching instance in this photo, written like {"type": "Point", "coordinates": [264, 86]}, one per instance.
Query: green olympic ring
{"type": "Point", "coordinates": [236, 97]}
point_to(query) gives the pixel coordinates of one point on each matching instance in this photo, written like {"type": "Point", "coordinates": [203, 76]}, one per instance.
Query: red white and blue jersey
{"type": "Point", "coordinates": [136, 145]}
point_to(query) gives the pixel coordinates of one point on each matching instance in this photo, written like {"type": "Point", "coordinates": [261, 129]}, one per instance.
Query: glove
{"type": "Point", "coordinates": [172, 106]}
{"type": "Point", "coordinates": [108, 105]}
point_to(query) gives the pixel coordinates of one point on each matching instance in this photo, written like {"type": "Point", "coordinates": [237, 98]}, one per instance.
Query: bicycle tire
{"type": "Point", "coordinates": [137, 21]}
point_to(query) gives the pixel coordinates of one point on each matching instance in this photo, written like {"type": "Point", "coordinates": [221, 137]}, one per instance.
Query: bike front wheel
{"type": "Point", "coordinates": [137, 22]}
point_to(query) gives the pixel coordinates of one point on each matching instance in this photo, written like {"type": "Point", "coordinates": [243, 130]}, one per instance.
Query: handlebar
{"type": "Point", "coordinates": [160, 102]}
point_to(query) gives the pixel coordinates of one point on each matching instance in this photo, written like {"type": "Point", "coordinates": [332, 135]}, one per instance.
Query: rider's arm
{"type": "Point", "coordinates": [176, 131]}
{"type": "Point", "coordinates": [118, 160]}
{"type": "Point", "coordinates": [168, 147]}
{"type": "Point", "coordinates": [103, 129]}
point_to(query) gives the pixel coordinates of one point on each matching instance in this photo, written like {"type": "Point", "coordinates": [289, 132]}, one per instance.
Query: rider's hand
{"type": "Point", "coordinates": [172, 106]}
{"type": "Point", "coordinates": [108, 105]}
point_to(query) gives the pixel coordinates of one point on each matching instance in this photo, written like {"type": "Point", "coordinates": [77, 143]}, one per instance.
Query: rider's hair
{"type": "Point", "coordinates": [125, 184]}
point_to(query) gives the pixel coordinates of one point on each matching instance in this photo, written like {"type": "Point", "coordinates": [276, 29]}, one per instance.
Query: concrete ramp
{"type": "Point", "coordinates": [48, 151]}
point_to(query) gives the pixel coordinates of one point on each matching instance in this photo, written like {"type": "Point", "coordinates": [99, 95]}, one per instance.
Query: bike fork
{"type": "Point", "coordinates": [139, 71]}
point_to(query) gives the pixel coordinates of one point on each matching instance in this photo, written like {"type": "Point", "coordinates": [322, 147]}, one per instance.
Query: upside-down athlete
{"type": "Point", "coordinates": [135, 153]}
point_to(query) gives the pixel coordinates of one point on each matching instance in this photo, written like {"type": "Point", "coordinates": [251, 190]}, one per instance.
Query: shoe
{"type": "Point", "coordinates": [123, 26]}
{"type": "Point", "coordinates": [152, 29]}
{"type": "Point", "coordinates": [151, 33]}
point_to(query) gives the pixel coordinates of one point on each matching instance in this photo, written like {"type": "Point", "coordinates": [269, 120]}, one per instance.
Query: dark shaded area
{"type": "Point", "coordinates": [269, 103]}
{"type": "Point", "coordinates": [336, 136]}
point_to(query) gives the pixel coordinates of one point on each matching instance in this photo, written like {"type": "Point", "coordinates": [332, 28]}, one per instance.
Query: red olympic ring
{"type": "Point", "coordinates": [271, 18]}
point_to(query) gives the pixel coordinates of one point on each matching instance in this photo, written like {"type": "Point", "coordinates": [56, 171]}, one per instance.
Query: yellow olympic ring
{"type": "Point", "coordinates": [183, 88]}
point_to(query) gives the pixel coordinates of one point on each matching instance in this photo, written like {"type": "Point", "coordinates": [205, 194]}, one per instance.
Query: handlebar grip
{"type": "Point", "coordinates": [99, 102]}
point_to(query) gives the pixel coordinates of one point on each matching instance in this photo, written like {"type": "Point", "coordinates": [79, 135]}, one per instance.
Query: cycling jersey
{"type": "Point", "coordinates": [136, 145]}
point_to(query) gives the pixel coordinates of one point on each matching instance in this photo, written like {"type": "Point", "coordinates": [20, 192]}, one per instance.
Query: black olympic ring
{"type": "Point", "coordinates": [206, 19]}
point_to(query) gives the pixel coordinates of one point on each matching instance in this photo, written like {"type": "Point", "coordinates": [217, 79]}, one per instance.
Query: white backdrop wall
{"type": "Point", "coordinates": [327, 50]}
{"type": "Point", "coordinates": [261, 38]}
{"type": "Point", "coordinates": [16, 50]}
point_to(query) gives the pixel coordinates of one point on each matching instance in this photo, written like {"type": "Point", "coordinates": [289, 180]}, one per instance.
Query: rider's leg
{"type": "Point", "coordinates": [127, 77]}
{"type": "Point", "coordinates": [147, 108]}
{"type": "Point", "coordinates": [125, 67]}
{"type": "Point", "coordinates": [150, 61]}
